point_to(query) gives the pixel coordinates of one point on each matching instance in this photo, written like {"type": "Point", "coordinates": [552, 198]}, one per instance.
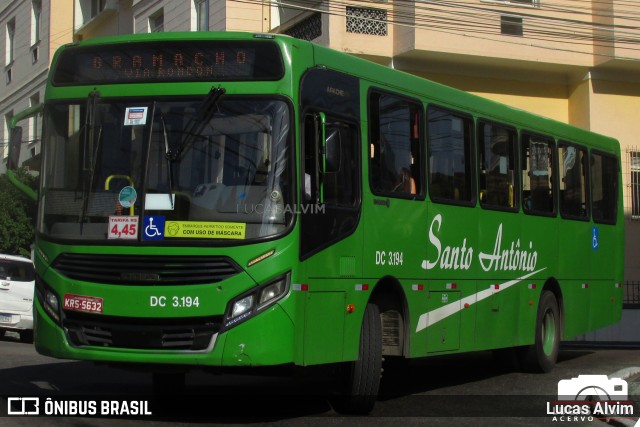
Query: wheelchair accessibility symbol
{"type": "Point", "coordinates": [153, 227]}
{"type": "Point", "coordinates": [594, 239]}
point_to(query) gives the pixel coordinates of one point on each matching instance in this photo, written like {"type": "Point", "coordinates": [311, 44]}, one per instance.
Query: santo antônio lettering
{"type": "Point", "coordinates": [512, 256]}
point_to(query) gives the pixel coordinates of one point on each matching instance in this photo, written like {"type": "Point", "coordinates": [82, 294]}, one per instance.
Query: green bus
{"type": "Point", "coordinates": [232, 200]}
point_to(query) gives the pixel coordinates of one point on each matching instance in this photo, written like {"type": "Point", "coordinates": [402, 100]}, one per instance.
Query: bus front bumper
{"type": "Point", "coordinates": [264, 340]}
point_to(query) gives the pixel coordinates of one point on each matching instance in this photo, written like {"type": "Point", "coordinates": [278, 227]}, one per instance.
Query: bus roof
{"type": "Point", "coordinates": [385, 77]}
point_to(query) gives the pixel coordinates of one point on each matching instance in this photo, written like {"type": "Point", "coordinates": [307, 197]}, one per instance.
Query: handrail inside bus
{"type": "Point", "coordinates": [107, 182]}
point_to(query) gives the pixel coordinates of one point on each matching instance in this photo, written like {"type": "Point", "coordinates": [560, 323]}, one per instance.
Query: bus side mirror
{"type": "Point", "coordinates": [15, 142]}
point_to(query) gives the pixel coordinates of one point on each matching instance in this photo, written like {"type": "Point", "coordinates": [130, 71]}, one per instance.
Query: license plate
{"type": "Point", "coordinates": [5, 318]}
{"type": "Point", "coordinates": [83, 303]}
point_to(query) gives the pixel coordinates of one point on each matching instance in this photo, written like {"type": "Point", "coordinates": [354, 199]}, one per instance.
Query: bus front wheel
{"type": "Point", "coordinates": [362, 377]}
{"type": "Point", "coordinates": [541, 356]}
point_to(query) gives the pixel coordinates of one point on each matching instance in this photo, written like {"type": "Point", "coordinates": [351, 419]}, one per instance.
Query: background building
{"type": "Point", "coordinates": [576, 61]}
{"type": "Point", "coordinates": [29, 37]}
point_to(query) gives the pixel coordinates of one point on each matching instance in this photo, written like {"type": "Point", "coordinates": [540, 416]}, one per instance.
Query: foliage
{"type": "Point", "coordinates": [17, 215]}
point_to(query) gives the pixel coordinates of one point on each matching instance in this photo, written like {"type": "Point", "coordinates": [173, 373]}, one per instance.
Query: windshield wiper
{"type": "Point", "coordinates": [197, 124]}
{"type": "Point", "coordinates": [168, 155]}
{"type": "Point", "coordinates": [91, 152]}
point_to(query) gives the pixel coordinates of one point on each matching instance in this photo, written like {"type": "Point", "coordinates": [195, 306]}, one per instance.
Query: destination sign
{"type": "Point", "coordinates": [169, 61]}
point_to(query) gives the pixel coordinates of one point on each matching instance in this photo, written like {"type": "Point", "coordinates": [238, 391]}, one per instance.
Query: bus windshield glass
{"type": "Point", "coordinates": [162, 170]}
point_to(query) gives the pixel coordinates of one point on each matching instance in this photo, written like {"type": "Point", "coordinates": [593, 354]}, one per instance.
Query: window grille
{"type": "Point", "coordinates": [156, 22]}
{"type": "Point", "coordinates": [367, 21]}
{"type": "Point", "coordinates": [634, 183]}
{"type": "Point", "coordinates": [535, 3]}
{"type": "Point", "coordinates": [631, 295]}
{"type": "Point", "coordinates": [511, 25]}
{"type": "Point", "coordinates": [308, 29]}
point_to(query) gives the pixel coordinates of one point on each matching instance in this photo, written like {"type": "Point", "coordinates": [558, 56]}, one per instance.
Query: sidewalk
{"type": "Point", "coordinates": [632, 376]}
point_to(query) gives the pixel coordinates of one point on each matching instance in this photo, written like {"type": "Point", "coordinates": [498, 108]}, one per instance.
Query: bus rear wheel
{"type": "Point", "coordinates": [542, 355]}
{"type": "Point", "coordinates": [362, 377]}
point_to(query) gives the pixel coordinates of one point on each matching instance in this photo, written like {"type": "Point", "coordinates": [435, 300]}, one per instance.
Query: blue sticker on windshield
{"type": "Point", "coordinates": [127, 196]}
{"type": "Point", "coordinates": [153, 228]}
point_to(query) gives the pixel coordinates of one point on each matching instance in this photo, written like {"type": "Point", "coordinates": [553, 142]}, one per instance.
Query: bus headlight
{"type": "Point", "coordinates": [48, 299]}
{"type": "Point", "coordinates": [271, 292]}
{"type": "Point", "coordinates": [242, 306]}
{"type": "Point", "coordinates": [253, 302]}
{"type": "Point", "coordinates": [51, 306]}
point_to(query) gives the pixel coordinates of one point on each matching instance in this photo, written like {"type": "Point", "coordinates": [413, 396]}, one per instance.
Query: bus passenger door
{"type": "Point", "coordinates": [330, 243]}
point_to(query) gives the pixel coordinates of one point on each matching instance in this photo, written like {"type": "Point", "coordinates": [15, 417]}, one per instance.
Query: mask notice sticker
{"type": "Point", "coordinates": [135, 116]}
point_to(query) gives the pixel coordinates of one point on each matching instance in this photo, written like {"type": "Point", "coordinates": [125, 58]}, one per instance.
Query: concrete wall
{"type": "Point", "coordinates": [624, 332]}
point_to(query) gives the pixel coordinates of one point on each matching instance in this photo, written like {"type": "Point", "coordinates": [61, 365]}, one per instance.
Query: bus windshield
{"type": "Point", "coordinates": [164, 170]}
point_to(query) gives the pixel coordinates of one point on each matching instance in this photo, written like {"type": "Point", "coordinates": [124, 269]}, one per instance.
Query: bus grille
{"type": "Point", "coordinates": [189, 334]}
{"type": "Point", "coordinates": [145, 269]}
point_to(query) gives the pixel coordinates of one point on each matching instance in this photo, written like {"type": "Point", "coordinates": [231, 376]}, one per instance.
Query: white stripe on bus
{"type": "Point", "coordinates": [434, 316]}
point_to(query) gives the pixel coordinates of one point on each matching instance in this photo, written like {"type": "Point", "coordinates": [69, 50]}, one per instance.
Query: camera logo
{"type": "Point", "coordinates": [592, 388]}
{"type": "Point", "coordinates": [23, 406]}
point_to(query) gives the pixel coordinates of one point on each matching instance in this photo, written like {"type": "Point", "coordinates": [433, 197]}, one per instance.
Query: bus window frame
{"type": "Point", "coordinates": [517, 185]}
{"type": "Point", "coordinates": [554, 174]}
{"type": "Point", "coordinates": [588, 207]}
{"type": "Point", "coordinates": [473, 184]}
{"type": "Point", "coordinates": [420, 179]}
{"type": "Point", "coordinates": [614, 156]}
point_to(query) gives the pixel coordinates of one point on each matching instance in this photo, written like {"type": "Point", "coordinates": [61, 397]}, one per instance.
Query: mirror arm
{"type": "Point", "coordinates": [28, 191]}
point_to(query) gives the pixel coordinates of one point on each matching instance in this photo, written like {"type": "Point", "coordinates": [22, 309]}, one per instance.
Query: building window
{"type": "Point", "coordinates": [36, 10]}
{"type": "Point", "coordinates": [156, 22]}
{"type": "Point", "coordinates": [370, 21]}
{"type": "Point", "coordinates": [308, 29]}
{"type": "Point", "coordinates": [10, 34]}
{"type": "Point", "coordinates": [34, 127]}
{"type": "Point", "coordinates": [635, 184]}
{"type": "Point", "coordinates": [202, 15]}
{"type": "Point", "coordinates": [511, 25]}
{"type": "Point", "coordinates": [535, 3]}
{"type": "Point", "coordinates": [5, 146]}
{"type": "Point", "coordinates": [97, 6]}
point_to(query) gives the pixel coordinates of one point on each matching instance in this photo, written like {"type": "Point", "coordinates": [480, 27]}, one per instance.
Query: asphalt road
{"type": "Point", "coordinates": [469, 389]}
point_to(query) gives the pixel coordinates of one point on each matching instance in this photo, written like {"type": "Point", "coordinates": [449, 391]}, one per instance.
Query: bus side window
{"type": "Point", "coordinates": [573, 181]}
{"type": "Point", "coordinates": [449, 152]}
{"type": "Point", "coordinates": [537, 178]}
{"type": "Point", "coordinates": [496, 149]}
{"type": "Point", "coordinates": [604, 188]}
{"type": "Point", "coordinates": [394, 156]}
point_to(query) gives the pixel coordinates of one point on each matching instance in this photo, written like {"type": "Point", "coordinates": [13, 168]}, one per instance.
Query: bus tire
{"type": "Point", "coordinates": [360, 390]}
{"type": "Point", "coordinates": [541, 356]}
